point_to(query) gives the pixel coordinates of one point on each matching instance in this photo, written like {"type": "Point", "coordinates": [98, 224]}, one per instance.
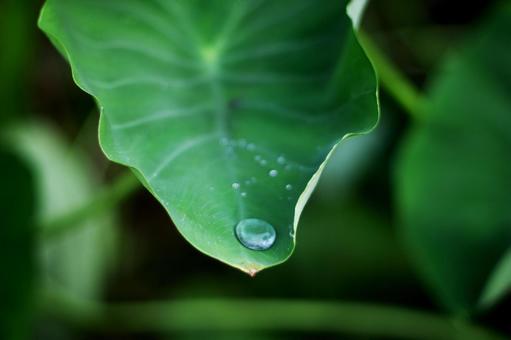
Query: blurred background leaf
{"type": "Point", "coordinates": [77, 260]}
{"type": "Point", "coordinates": [17, 247]}
{"type": "Point", "coordinates": [453, 180]}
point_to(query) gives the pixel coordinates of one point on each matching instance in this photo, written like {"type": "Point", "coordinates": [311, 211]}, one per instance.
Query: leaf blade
{"type": "Point", "coordinates": [203, 106]}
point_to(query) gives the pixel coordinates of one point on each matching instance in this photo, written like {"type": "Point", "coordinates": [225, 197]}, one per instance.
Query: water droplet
{"type": "Point", "coordinates": [250, 147]}
{"type": "Point", "coordinates": [281, 160]}
{"type": "Point", "coordinates": [243, 194]}
{"type": "Point", "coordinates": [289, 187]}
{"type": "Point", "coordinates": [288, 167]}
{"type": "Point", "coordinates": [257, 157]}
{"type": "Point", "coordinates": [255, 234]}
{"type": "Point", "coordinates": [253, 179]}
{"type": "Point", "coordinates": [224, 141]}
{"type": "Point", "coordinates": [242, 142]}
{"type": "Point", "coordinates": [263, 162]}
{"type": "Point", "coordinates": [235, 186]}
{"type": "Point", "coordinates": [273, 173]}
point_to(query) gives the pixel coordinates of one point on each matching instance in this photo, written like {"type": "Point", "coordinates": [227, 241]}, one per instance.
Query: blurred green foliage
{"type": "Point", "coordinates": [427, 196]}
{"type": "Point", "coordinates": [454, 175]}
{"type": "Point", "coordinates": [17, 247]}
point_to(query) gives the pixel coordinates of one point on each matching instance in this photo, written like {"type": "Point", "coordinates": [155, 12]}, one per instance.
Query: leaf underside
{"type": "Point", "coordinates": [203, 99]}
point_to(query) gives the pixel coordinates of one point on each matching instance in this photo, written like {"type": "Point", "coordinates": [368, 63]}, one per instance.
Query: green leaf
{"type": "Point", "coordinates": [17, 211]}
{"type": "Point", "coordinates": [226, 110]}
{"type": "Point", "coordinates": [454, 173]}
{"type": "Point", "coordinates": [78, 260]}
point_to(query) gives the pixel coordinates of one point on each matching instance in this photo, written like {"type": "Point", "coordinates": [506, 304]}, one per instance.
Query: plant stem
{"type": "Point", "coordinates": [258, 315]}
{"type": "Point", "coordinates": [389, 76]}
{"type": "Point", "coordinates": [124, 185]}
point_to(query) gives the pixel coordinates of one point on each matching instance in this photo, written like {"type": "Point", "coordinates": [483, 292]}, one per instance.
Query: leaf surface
{"type": "Point", "coordinates": [226, 110]}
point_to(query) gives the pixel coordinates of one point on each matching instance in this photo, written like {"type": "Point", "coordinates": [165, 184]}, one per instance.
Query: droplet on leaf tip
{"type": "Point", "coordinates": [255, 234]}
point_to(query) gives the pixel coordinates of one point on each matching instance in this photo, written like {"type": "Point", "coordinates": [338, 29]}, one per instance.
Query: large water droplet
{"type": "Point", "coordinates": [255, 234]}
{"type": "Point", "coordinates": [235, 186]}
{"type": "Point", "coordinates": [273, 173]}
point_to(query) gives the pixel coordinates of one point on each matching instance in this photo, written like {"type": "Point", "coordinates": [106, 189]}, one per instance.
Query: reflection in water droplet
{"type": "Point", "coordinates": [273, 173]}
{"type": "Point", "coordinates": [235, 186]}
{"type": "Point", "coordinates": [255, 234]}
{"type": "Point", "coordinates": [281, 160]}
{"type": "Point", "coordinates": [289, 187]}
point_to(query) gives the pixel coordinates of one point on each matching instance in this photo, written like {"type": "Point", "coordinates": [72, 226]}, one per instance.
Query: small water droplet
{"type": "Point", "coordinates": [242, 142]}
{"type": "Point", "coordinates": [289, 187]}
{"type": "Point", "coordinates": [288, 167]}
{"type": "Point", "coordinates": [243, 194]}
{"type": "Point", "coordinates": [273, 173]}
{"type": "Point", "coordinates": [224, 141]}
{"type": "Point", "coordinates": [235, 186]}
{"type": "Point", "coordinates": [253, 179]}
{"type": "Point", "coordinates": [257, 157]}
{"type": "Point", "coordinates": [281, 160]}
{"type": "Point", "coordinates": [263, 162]}
{"type": "Point", "coordinates": [255, 234]}
{"type": "Point", "coordinates": [251, 147]}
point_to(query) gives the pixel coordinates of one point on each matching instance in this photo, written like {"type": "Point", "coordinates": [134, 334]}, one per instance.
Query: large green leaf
{"type": "Point", "coordinates": [454, 175]}
{"type": "Point", "coordinates": [226, 110]}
